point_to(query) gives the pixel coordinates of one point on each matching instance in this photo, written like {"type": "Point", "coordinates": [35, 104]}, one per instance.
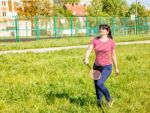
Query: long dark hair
{"type": "Point", "coordinates": [105, 26]}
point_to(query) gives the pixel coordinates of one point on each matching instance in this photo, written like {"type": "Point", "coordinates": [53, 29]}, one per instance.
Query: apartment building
{"type": "Point", "coordinates": [8, 9]}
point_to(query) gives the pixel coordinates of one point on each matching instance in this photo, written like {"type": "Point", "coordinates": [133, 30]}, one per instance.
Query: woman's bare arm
{"type": "Point", "coordinates": [87, 53]}
{"type": "Point", "coordinates": [114, 58]}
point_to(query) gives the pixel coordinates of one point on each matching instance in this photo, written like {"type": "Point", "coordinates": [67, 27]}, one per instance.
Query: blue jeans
{"type": "Point", "coordinates": [99, 84]}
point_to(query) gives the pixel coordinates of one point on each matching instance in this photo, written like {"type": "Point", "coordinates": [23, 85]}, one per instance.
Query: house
{"type": "Point", "coordinates": [76, 9]}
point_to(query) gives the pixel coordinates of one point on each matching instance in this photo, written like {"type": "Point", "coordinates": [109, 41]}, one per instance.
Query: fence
{"type": "Point", "coordinates": [53, 27]}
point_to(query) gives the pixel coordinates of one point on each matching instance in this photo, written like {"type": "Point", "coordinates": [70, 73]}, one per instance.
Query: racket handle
{"type": "Point", "coordinates": [89, 66]}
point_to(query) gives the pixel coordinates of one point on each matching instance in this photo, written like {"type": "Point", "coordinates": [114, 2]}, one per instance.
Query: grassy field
{"type": "Point", "coordinates": [64, 42]}
{"type": "Point", "coordinates": [58, 82]}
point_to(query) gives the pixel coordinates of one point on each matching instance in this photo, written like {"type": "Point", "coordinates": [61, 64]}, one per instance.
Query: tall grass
{"type": "Point", "coordinates": [57, 82]}
{"type": "Point", "coordinates": [64, 42]}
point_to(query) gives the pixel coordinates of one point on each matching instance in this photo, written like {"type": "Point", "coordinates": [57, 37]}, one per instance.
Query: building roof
{"type": "Point", "coordinates": [77, 10]}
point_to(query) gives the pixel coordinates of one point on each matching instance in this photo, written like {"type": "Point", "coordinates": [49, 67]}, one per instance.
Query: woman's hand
{"type": "Point", "coordinates": [86, 60]}
{"type": "Point", "coordinates": [117, 71]}
{"type": "Point", "coordinates": [114, 58]}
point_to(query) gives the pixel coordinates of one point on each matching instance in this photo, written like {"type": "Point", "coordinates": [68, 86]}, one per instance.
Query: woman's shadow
{"type": "Point", "coordinates": [78, 100]}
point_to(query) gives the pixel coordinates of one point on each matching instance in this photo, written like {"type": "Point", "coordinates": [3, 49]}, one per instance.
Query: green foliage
{"type": "Point", "coordinates": [71, 1]}
{"type": "Point", "coordinates": [62, 2]}
{"type": "Point", "coordinates": [147, 12]}
{"type": "Point", "coordinates": [36, 8]}
{"type": "Point", "coordinates": [115, 7]}
{"type": "Point", "coordinates": [58, 82]}
{"type": "Point", "coordinates": [60, 11]}
{"type": "Point", "coordinates": [141, 10]}
{"type": "Point", "coordinates": [44, 8]}
{"type": "Point", "coordinates": [95, 9]}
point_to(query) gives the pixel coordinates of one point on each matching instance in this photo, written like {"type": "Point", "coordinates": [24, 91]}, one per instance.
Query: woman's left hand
{"type": "Point", "coordinates": [117, 71]}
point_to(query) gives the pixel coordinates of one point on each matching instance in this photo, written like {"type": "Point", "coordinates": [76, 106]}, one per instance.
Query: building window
{"type": "Point", "coordinates": [4, 14]}
{"type": "Point", "coordinates": [3, 3]}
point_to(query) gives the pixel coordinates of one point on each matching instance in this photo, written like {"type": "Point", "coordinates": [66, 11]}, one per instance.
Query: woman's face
{"type": "Point", "coordinates": [103, 31]}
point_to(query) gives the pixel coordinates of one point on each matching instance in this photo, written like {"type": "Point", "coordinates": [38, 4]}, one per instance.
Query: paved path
{"type": "Point", "coordinates": [40, 50]}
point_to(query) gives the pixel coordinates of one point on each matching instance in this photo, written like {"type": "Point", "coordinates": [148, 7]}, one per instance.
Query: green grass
{"type": "Point", "coordinates": [64, 42]}
{"type": "Point", "coordinates": [58, 82]}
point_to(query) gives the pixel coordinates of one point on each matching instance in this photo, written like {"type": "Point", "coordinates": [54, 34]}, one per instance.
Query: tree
{"type": "Point", "coordinates": [115, 7]}
{"type": "Point", "coordinates": [67, 1]}
{"type": "Point", "coordinates": [147, 12]}
{"type": "Point", "coordinates": [141, 10]}
{"type": "Point", "coordinates": [71, 1]}
{"type": "Point", "coordinates": [35, 8]}
{"type": "Point", "coordinates": [95, 9]}
{"type": "Point", "coordinates": [60, 11]}
{"type": "Point", "coordinates": [108, 8]}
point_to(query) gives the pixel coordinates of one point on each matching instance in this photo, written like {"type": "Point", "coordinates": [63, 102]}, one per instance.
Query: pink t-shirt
{"type": "Point", "coordinates": [103, 51]}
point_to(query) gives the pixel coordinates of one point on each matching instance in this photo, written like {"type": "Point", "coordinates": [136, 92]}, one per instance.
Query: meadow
{"type": "Point", "coordinates": [58, 82]}
{"type": "Point", "coordinates": [58, 42]}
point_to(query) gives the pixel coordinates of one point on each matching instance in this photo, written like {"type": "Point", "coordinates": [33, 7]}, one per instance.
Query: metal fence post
{"type": "Point", "coordinates": [124, 26]}
{"type": "Point", "coordinates": [147, 27]}
{"type": "Point", "coordinates": [71, 26]}
{"type": "Point", "coordinates": [86, 25]}
{"type": "Point", "coordinates": [37, 28]}
{"type": "Point", "coordinates": [17, 29]}
{"type": "Point", "coordinates": [136, 25]}
{"type": "Point", "coordinates": [55, 30]}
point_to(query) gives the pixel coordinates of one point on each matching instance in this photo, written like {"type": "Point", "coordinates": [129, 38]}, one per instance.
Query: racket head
{"type": "Point", "coordinates": [95, 74]}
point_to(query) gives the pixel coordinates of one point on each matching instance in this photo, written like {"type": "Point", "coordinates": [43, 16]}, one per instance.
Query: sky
{"type": "Point", "coordinates": [146, 3]}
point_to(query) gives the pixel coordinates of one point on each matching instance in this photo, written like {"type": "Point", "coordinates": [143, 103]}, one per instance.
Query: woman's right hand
{"type": "Point", "coordinates": [86, 60]}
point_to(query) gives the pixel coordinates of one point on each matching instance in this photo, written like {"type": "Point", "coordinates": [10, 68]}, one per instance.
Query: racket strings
{"type": "Point", "coordinates": [95, 72]}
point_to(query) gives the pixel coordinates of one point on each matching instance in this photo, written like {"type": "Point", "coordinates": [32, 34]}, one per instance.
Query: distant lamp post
{"type": "Point", "coordinates": [136, 17]}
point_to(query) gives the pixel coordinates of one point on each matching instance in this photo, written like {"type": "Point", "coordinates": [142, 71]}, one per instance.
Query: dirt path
{"type": "Point", "coordinates": [40, 50]}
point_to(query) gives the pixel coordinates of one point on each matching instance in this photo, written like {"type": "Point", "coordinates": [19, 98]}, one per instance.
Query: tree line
{"type": "Point", "coordinates": [116, 8]}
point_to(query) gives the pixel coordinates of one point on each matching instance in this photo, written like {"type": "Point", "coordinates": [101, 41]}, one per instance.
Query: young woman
{"type": "Point", "coordinates": [104, 48]}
